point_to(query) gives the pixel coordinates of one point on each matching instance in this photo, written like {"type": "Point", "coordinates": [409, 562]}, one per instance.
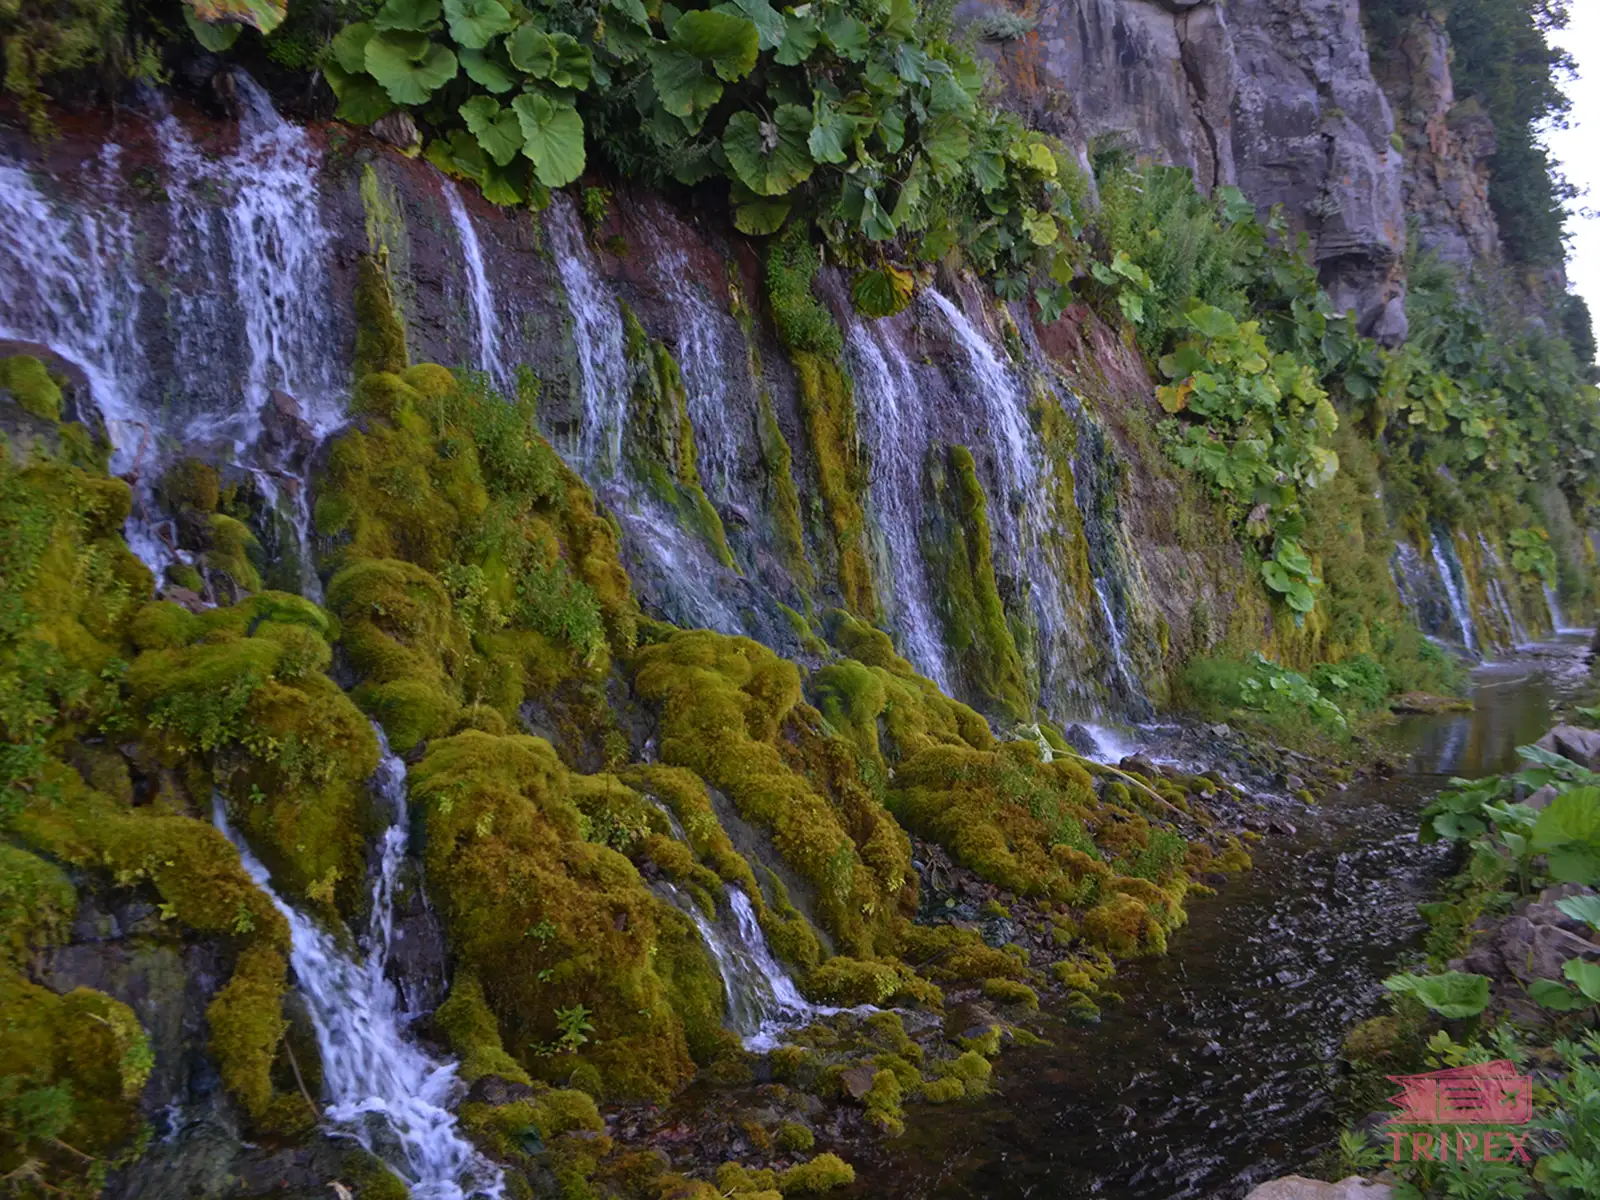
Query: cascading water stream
{"type": "Point", "coordinates": [1026, 535]}
{"type": "Point", "coordinates": [69, 280]}
{"type": "Point", "coordinates": [380, 1086]}
{"type": "Point", "coordinates": [1444, 557]}
{"type": "Point", "coordinates": [763, 1000]}
{"type": "Point", "coordinates": [706, 361]}
{"type": "Point", "coordinates": [480, 293]}
{"type": "Point", "coordinates": [897, 428]}
{"type": "Point", "coordinates": [280, 253]}
{"type": "Point", "coordinates": [597, 331]}
{"type": "Point", "coordinates": [670, 562]}
{"type": "Point", "coordinates": [1119, 649]}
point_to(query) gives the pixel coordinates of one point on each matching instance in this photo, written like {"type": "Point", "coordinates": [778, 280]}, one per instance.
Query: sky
{"type": "Point", "coordinates": [1578, 149]}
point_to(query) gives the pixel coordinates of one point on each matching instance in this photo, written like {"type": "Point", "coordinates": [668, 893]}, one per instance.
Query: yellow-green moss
{"type": "Point", "coordinates": [823, 1173]}
{"type": "Point", "coordinates": [73, 1068]}
{"type": "Point", "coordinates": [380, 334]}
{"type": "Point", "coordinates": [730, 711]}
{"type": "Point", "coordinates": [548, 920]}
{"type": "Point", "coordinates": [37, 902]}
{"type": "Point", "coordinates": [658, 438]}
{"type": "Point", "coordinates": [471, 566]}
{"type": "Point", "coordinates": [1011, 991]}
{"type": "Point", "coordinates": [784, 497]}
{"type": "Point", "coordinates": [827, 402]}
{"type": "Point", "coordinates": [1002, 812]}
{"type": "Point", "coordinates": [974, 618]}
{"type": "Point", "coordinates": [27, 379]}
{"type": "Point", "coordinates": [474, 1034]}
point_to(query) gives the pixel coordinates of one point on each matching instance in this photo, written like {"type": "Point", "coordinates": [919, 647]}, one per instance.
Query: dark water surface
{"type": "Point", "coordinates": [1218, 1070]}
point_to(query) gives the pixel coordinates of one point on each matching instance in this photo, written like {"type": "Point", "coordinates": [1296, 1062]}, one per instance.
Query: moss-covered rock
{"type": "Point", "coordinates": [658, 439]}
{"type": "Point", "coordinates": [550, 921]}
{"type": "Point", "coordinates": [730, 710]}
{"type": "Point", "coordinates": [975, 623]}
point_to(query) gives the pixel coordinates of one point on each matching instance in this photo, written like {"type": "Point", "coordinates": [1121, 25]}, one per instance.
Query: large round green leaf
{"type": "Point", "coordinates": [497, 129]}
{"type": "Point", "coordinates": [410, 67]}
{"type": "Point", "coordinates": [555, 57]}
{"type": "Point", "coordinates": [882, 292]}
{"type": "Point", "coordinates": [362, 99]}
{"type": "Point", "coordinates": [831, 131]}
{"type": "Point", "coordinates": [474, 22]}
{"type": "Point", "coordinates": [416, 16]}
{"type": "Point", "coordinates": [770, 157]}
{"type": "Point", "coordinates": [486, 71]}
{"type": "Point", "coordinates": [768, 21]}
{"type": "Point", "coordinates": [350, 46]}
{"type": "Point", "coordinates": [215, 38]}
{"type": "Point", "coordinates": [760, 217]}
{"type": "Point", "coordinates": [682, 84]}
{"type": "Point", "coordinates": [731, 43]}
{"type": "Point", "coordinates": [552, 138]}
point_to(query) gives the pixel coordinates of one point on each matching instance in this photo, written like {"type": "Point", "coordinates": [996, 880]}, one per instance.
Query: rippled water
{"type": "Point", "coordinates": [1218, 1070]}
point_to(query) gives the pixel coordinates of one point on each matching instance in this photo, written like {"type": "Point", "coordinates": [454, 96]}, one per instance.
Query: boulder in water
{"type": "Point", "coordinates": [1298, 1187]}
{"type": "Point", "coordinates": [1582, 746]}
{"type": "Point", "coordinates": [286, 438]}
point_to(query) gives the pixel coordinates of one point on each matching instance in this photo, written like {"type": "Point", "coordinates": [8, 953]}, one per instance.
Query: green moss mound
{"type": "Point", "coordinates": [730, 710]}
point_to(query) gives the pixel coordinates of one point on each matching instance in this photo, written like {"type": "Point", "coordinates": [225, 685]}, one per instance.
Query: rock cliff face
{"type": "Point", "coordinates": [1281, 98]}
{"type": "Point", "coordinates": [1447, 147]}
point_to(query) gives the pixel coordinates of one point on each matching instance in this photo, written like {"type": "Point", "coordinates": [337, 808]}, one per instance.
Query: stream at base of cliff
{"type": "Point", "coordinates": [1219, 1068]}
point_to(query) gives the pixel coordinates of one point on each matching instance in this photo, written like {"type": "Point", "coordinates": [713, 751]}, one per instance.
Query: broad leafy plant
{"type": "Point", "coordinates": [860, 113]}
{"type": "Point", "coordinates": [1253, 422]}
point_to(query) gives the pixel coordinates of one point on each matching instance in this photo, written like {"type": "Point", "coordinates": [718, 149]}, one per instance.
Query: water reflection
{"type": "Point", "coordinates": [1217, 1072]}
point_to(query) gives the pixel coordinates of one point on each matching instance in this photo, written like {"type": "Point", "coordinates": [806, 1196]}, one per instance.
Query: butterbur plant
{"type": "Point", "coordinates": [861, 116]}
{"type": "Point", "coordinates": [1253, 423]}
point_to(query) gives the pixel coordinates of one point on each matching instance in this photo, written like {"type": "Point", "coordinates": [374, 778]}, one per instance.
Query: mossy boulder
{"type": "Point", "coordinates": [549, 921]}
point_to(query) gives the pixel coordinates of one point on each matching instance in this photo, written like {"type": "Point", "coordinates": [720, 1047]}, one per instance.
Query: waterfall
{"type": "Point", "coordinates": [897, 428]}
{"type": "Point", "coordinates": [597, 331]}
{"type": "Point", "coordinates": [1498, 596]}
{"type": "Point", "coordinates": [280, 265]}
{"type": "Point", "coordinates": [671, 566]}
{"type": "Point", "coordinates": [706, 361]}
{"type": "Point", "coordinates": [68, 279]}
{"type": "Point", "coordinates": [380, 1086]}
{"type": "Point", "coordinates": [1444, 557]}
{"type": "Point", "coordinates": [762, 998]}
{"type": "Point", "coordinates": [480, 293]}
{"type": "Point", "coordinates": [1028, 539]}
{"type": "Point", "coordinates": [1119, 650]}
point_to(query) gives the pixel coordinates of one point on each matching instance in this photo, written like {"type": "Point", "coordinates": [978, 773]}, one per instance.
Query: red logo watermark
{"type": "Point", "coordinates": [1491, 1093]}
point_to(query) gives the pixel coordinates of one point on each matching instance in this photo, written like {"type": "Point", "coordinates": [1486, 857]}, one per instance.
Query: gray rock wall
{"type": "Point", "coordinates": [1277, 96]}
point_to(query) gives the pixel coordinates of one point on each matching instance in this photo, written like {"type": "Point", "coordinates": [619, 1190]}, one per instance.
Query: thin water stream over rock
{"type": "Point", "coordinates": [1218, 1070]}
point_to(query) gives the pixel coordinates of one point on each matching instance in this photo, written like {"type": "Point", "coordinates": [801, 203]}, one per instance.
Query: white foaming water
{"type": "Point", "coordinates": [1119, 649]}
{"type": "Point", "coordinates": [895, 424]}
{"type": "Point", "coordinates": [1011, 439]}
{"type": "Point", "coordinates": [706, 362]}
{"type": "Point", "coordinates": [374, 1077]}
{"type": "Point", "coordinates": [1444, 557]}
{"type": "Point", "coordinates": [1112, 745]}
{"type": "Point", "coordinates": [480, 292]}
{"type": "Point", "coordinates": [1558, 622]}
{"type": "Point", "coordinates": [602, 359]}
{"type": "Point", "coordinates": [280, 266]}
{"type": "Point", "coordinates": [1020, 515]}
{"type": "Point", "coordinates": [1498, 596]}
{"type": "Point", "coordinates": [68, 279]}
{"type": "Point", "coordinates": [763, 1001]}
